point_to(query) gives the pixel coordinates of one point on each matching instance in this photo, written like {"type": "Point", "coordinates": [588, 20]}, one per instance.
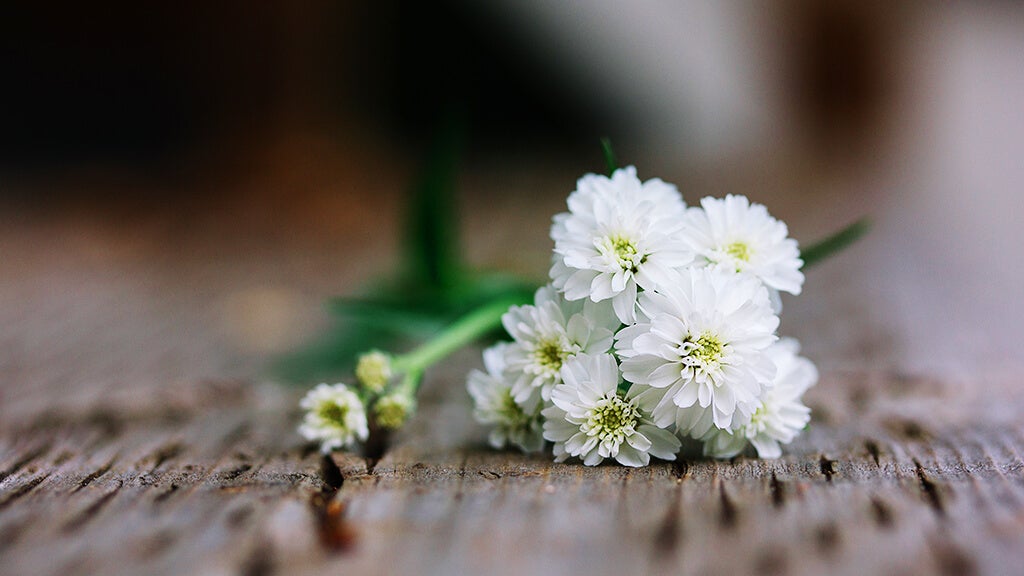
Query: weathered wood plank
{"type": "Point", "coordinates": [119, 454]}
{"type": "Point", "coordinates": [227, 486]}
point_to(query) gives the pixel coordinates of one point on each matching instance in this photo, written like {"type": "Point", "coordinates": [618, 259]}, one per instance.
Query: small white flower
{"type": "Point", "coordinates": [736, 234]}
{"type": "Point", "coordinates": [619, 235]}
{"type": "Point", "coordinates": [335, 417]}
{"type": "Point", "coordinates": [700, 347]}
{"type": "Point", "coordinates": [781, 415]}
{"type": "Point", "coordinates": [517, 424]}
{"type": "Point", "coordinates": [591, 420]}
{"type": "Point", "coordinates": [547, 334]}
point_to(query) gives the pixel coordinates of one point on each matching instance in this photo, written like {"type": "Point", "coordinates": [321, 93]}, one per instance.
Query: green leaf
{"type": "Point", "coordinates": [332, 356]}
{"type": "Point", "coordinates": [611, 164]}
{"type": "Point", "coordinates": [431, 243]}
{"type": "Point", "coordinates": [835, 243]}
{"type": "Point", "coordinates": [394, 315]}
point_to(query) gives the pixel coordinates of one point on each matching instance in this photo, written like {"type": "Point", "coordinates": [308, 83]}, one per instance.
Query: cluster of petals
{"type": "Point", "coordinates": [659, 324]}
{"type": "Point", "coordinates": [700, 349]}
{"type": "Point", "coordinates": [590, 419]}
{"type": "Point", "coordinates": [513, 424]}
{"type": "Point", "coordinates": [780, 414]}
{"type": "Point", "coordinates": [548, 333]}
{"type": "Point", "coordinates": [620, 235]}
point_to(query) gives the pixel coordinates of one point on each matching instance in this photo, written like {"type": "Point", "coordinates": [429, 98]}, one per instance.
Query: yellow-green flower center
{"type": "Point", "coordinates": [332, 413]}
{"type": "Point", "coordinates": [757, 422]}
{"type": "Point", "coordinates": [549, 354]}
{"type": "Point", "coordinates": [709, 348]}
{"type": "Point", "coordinates": [611, 419]}
{"type": "Point", "coordinates": [739, 250]}
{"type": "Point", "coordinates": [511, 413]}
{"type": "Point", "coordinates": [623, 251]}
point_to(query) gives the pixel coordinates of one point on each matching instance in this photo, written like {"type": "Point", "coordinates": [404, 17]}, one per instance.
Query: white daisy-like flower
{"type": "Point", "coordinates": [590, 419]}
{"type": "Point", "coordinates": [700, 348]}
{"type": "Point", "coordinates": [733, 233]}
{"type": "Point", "coordinates": [548, 333]}
{"type": "Point", "coordinates": [514, 423]}
{"type": "Point", "coordinates": [335, 417]}
{"type": "Point", "coordinates": [781, 415]}
{"type": "Point", "coordinates": [620, 234]}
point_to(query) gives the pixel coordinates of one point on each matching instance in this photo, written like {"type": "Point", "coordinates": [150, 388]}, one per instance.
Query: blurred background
{"type": "Point", "coordinates": [181, 186]}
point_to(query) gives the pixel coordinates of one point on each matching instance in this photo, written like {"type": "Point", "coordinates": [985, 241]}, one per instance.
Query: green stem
{"type": "Point", "coordinates": [609, 156]}
{"type": "Point", "coordinates": [823, 249]}
{"type": "Point", "coordinates": [462, 332]}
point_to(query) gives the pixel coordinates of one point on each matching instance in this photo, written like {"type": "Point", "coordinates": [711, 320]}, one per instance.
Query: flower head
{"type": "Point", "coordinates": [392, 410]}
{"type": "Point", "coordinates": [698, 351]}
{"type": "Point", "coordinates": [514, 423]}
{"type": "Point", "coordinates": [373, 370]}
{"type": "Point", "coordinates": [547, 334]}
{"type": "Point", "coordinates": [591, 420]}
{"type": "Point", "coordinates": [779, 417]}
{"type": "Point", "coordinates": [620, 234]}
{"type": "Point", "coordinates": [733, 233]}
{"type": "Point", "coordinates": [335, 417]}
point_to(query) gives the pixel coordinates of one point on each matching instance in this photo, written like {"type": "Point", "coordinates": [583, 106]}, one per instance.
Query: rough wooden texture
{"type": "Point", "coordinates": [897, 475]}
{"type": "Point", "coordinates": [137, 434]}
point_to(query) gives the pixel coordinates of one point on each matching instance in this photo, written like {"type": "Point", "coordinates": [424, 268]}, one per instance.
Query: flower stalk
{"type": "Point", "coordinates": [388, 384]}
{"type": "Point", "coordinates": [459, 334]}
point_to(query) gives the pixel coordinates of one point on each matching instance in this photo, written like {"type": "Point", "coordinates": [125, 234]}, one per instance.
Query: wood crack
{"type": "Point", "coordinates": [95, 475]}
{"type": "Point", "coordinates": [778, 491]}
{"type": "Point", "coordinates": [666, 537]}
{"type": "Point", "coordinates": [827, 467]}
{"type": "Point", "coordinates": [335, 533]}
{"type": "Point", "coordinates": [90, 511]}
{"type": "Point", "coordinates": [881, 513]}
{"type": "Point", "coordinates": [23, 461]}
{"type": "Point", "coordinates": [680, 468]}
{"type": "Point", "coordinates": [260, 561]}
{"type": "Point", "coordinates": [729, 514]}
{"type": "Point", "coordinates": [23, 489]}
{"type": "Point", "coordinates": [930, 490]}
{"type": "Point", "coordinates": [872, 447]}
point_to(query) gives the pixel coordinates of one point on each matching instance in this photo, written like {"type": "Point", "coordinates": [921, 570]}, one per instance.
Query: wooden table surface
{"type": "Point", "coordinates": [138, 433]}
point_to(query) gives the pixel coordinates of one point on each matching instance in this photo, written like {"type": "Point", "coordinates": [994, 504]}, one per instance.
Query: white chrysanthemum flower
{"type": "Point", "coordinates": [590, 419]}
{"type": "Point", "coordinates": [547, 334]}
{"type": "Point", "coordinates": [335, 417]}
{"type": "Point", "coordinates": [619, 234]}
{"type": "Point", "coordinates": [517, 424]}
{"type": "Point", "coordinates": [736, 234]}
{"type": "Point", "coordinates": [700, 347]}
{"type": "Point", "coordinates": [780, 417]}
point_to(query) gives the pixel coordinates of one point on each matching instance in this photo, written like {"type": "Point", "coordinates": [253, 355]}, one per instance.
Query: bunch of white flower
{"type": "Point", "coordinates": [659, 324]}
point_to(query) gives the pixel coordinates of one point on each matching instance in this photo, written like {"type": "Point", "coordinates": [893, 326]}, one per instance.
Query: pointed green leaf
{"type": "Point", "coordinates": [835, 243]}
{"type": "Point", "coordinates": [431, 243]}
{"type": "Point", "coordinates": [611, 164]}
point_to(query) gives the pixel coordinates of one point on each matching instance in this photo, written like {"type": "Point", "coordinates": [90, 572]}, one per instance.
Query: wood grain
{"type": "Point", "coordinates": [228, 487]}
{"type": "Point", "coordinates": [138, 436]}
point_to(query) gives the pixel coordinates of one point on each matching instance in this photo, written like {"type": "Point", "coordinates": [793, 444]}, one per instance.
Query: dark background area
{"type": "Point", "coordinates": [273, 143]}
{"type": "Point", "coordinates": [123, 82]}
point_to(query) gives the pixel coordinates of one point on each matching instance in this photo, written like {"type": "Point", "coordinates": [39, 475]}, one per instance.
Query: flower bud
{"type": "Point", "coordinates": [374, 370]}
{"type": "Point", "coordinates": [393, 410]}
